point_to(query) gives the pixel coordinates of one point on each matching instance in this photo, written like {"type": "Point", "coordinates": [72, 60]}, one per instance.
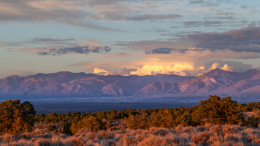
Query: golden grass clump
{"type": "Point", "coordinates": [104, 134]}
{"type": "Point", "coordinates": [83, 130]}
{"type": "Point", "coordinates": [90, 135]}
{"type": "Point", "coordinates": [9, 138]}
{"type": "Point", "coordinates": [127, 140]}
{"type": "Point", "coordinates": [159, 131]}
{"type": "Point", "coordinates": [155, 141]}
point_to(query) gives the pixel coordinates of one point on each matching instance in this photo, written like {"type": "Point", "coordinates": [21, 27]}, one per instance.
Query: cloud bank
{"type": "Point", "coordinates": [242, 40]}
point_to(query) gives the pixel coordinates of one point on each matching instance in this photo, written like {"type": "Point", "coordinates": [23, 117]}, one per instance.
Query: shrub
{"type": "Point", "coordinates": [66, 129]}
{"type": "Point", "coordinates": [51, 128]}
{"type": "Point", "coordinates": [92, 123]}
{"type": "Point", "coordinates": [40, 127]}
{"type": "Point", "coordinates": [108, 124]}
{"type": "Point", "coordinates": [16, 117]}
{"type": "Point", "coordinates": [217, 111]}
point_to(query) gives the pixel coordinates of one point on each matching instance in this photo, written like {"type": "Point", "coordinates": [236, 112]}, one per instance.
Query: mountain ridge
{"type": "Point", "coordinates": [80, 84]}
{"type": "Point", "coordinates": [214, 82]}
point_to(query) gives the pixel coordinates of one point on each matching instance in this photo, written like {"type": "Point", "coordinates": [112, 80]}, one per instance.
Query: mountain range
{"type": "Point", "coordinates": [215, 82]}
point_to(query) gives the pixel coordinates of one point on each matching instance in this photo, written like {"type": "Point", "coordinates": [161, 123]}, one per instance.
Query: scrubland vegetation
{"type": "Point", "coordinates": [214, 121]}
{"type": "Point", "coordinates": [215, 135]}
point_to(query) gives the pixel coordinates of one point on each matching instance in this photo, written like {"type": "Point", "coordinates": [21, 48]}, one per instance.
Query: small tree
{"type": "Point", "coordinates": [92, 123]}
{"type": "Point", "coordinates": [16, 117]}
{"type": "Point", "coordinates": [217, 111]}
{"type": "Point", "coordinates": [51, 128]}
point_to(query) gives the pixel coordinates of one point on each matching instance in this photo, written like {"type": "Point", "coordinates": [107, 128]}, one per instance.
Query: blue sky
{"type": "Point", "coordinates": [126, 37]}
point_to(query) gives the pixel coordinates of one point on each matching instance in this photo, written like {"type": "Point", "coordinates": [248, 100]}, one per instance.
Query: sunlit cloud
{"type": "Point", "coordinates": [178, 69]}
{"type": "Point", "coordinates": [191, 63]}
{"type": "Point", "coordinates": [226, 67]}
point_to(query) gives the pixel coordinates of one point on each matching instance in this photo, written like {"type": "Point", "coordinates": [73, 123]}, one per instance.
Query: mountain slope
{"type": "Point", "coordinates": [80, 84]}
{"type": "Point", "coordinates": [215, 82]}
{"type": "Point", "coordinates": [158, 88]}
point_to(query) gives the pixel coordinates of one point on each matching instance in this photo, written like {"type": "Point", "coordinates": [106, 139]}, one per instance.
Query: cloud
{"type": "Point", "coordinates": [82, 24]}
{"type": "Point", "coordinates": [242, 40]}
{"type": "Point", "coordinates": [103, 2]}
{"type": "Point", "coordinates": [55, 41]}
{"type": "Point", "coordinates": [118, 15]}
{"type": "Point", "coordinates": [157, 67]}
{"type": "Point", "coordinates": [127, 10]}
{"type": "Point", "coordinates": [9, 44]}
{"type": "Point", "coordinates": [228, 65]}
{"type": "Point", "coordinates": [56, 46]}
{"type": "Point", "coordinates": [72, 12]}
{"type": "Point", "coordinates": [165, 51]}
{"type": "Point", "coordinates": [160, 51]}
{"type": "Point", "coordinates": [254, 24]}
{"type": "Point", "coordinates": [203, 23]}
{"type": "Point", "coordinates": [40, 41]}
{"type": "Point", "coordinates": [66, 12]}
{"type": "Point", "coordinates": [203, 3]}
{"type": "Point", "coordinates": [146, 66]}
{"type": "Point", "coordinates": [258, 68]}
{"type": "Point", "coordinates": [98, 71]}
{"type": "Point", "coordinates": [178, 69]}
{"type": "Point", "coordinates": [190, 63]}
{"type": "Point", "coordinates": [120, 55]}
{"type": "Point", "coordinates": [185, 46]}
{"type": "Point", "coordinates": [220, 17]}
{"type": "Point", "coordinates": [154, 44]}
{"type": "Point", "coordinates": [77, 50]}
{"type": "Point", "coordinates": [226, 1]}
{"type": "Point", "coordinates": [225, 67]}
{"type": "Point", "coordinates": [219, 22]}
{"type": "Point", "coordinates": [123, 71]}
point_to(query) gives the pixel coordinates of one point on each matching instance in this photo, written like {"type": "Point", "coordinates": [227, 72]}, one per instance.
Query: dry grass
{"type": "Point", "coordinates": [208, 135]}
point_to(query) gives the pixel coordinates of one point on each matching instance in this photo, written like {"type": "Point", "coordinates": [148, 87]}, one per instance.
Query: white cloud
{"type": "Point", "coordinates": [226, 67]}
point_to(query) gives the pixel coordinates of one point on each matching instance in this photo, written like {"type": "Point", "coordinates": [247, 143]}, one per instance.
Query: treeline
{"type": "Point", "coordinates": [213, 110]}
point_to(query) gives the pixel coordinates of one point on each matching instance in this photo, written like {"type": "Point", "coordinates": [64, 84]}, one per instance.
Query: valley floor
{"type": "Point", "coordinates": [209, 135]}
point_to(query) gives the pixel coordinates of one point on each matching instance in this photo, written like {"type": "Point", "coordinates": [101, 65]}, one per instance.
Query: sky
{"type": "Point", "coordinates": [128, 37]}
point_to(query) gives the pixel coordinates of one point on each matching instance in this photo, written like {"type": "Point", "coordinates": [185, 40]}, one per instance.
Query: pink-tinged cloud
{"type": "Point", "coordinates": [66, 12]}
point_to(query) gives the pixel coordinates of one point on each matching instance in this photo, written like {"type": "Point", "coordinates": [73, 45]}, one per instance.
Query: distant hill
{"type": "Point", "coordinates": [215, 82]}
